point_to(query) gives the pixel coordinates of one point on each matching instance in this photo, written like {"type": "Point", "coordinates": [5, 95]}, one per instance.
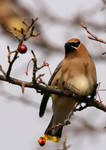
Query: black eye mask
{"type": "Point", "coordinates": [71, 47]}
{"type": "Point", "coordinates": [74, 44]}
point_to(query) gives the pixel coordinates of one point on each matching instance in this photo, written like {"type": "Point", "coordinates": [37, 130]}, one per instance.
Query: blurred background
{"type": "Point", "coordinates": [59, 20]}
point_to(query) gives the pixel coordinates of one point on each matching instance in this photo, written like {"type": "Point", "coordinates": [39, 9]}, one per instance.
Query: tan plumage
{"type": "Point", "coordinates": [76, 72]}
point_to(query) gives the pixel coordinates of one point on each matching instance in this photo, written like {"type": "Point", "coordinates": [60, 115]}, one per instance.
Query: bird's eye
{"type": "Point", "coordinates": [74, 44]}
{"type": "Point", "coordinates": [71, 47]}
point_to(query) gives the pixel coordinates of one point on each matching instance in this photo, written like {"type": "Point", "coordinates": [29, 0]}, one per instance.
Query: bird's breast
{"type": "Point", "coordinates": [80, 84]}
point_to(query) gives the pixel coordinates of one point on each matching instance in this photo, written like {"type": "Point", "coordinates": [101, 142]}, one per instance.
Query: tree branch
{"type": "Point", "coordinates": [11, 64]}
{"type": "Point", "coordinates": [46, 89]}
{"type": "Point", "coordinates": [92, 36]}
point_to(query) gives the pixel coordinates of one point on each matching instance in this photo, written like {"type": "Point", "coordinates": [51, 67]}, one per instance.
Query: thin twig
{"type": "Point", "coordinates": [92, 36]}
{"type": "Point", "coordinates": [32, 23]}
{"type": "Point", "coordinates": [66, 122]}
{"type": "Point", "coordinates": [44, 65]}
{"type": "Point", "coordinates": [8, 48]}
{"type": "Point", "coordinates": [1, 69]}
{"type": "Point", "coordinates": [23, 87]}
{"type": "Point", "coordinates": [34, 67]}
{"type": "Point", "coordinates": [13, 34]}
{"type": "Point", "coordinates": [81, 108]}
{"type": "Point", "coordinates": [35, 35]}
{"type": "Point", "coordinates": [11, 64]}
{"type": "Point", "coordinates": [65, 147]}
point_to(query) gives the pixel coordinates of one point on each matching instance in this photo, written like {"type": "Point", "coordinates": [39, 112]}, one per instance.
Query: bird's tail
{"type": "Point", "coordinates": [53, 132]}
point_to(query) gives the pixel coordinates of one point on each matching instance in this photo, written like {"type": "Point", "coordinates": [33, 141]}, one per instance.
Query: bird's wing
{"type": "Point", "coordinates": [47, 95]}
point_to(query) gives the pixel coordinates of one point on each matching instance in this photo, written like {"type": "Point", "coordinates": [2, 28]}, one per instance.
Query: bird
{"type": "Point", "coordinates": [76, 72]}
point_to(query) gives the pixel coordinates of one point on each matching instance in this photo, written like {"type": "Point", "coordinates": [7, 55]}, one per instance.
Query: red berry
{"type": "Point", "coordinates": [22, 48]}
{"type": "Point", "coordinates": [42, 141]}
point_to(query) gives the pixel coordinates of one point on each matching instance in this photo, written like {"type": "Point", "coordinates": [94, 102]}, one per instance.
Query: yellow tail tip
{"type": "Point", "coordinates": [53, 138]}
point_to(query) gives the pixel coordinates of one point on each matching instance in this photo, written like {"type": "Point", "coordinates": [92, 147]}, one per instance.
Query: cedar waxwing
{"type": "Point", "coordinates": [77, 73]}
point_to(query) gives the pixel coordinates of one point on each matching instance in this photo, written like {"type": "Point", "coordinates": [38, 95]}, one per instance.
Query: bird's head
{"type": "Point", "coordinates": [74, 46]}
